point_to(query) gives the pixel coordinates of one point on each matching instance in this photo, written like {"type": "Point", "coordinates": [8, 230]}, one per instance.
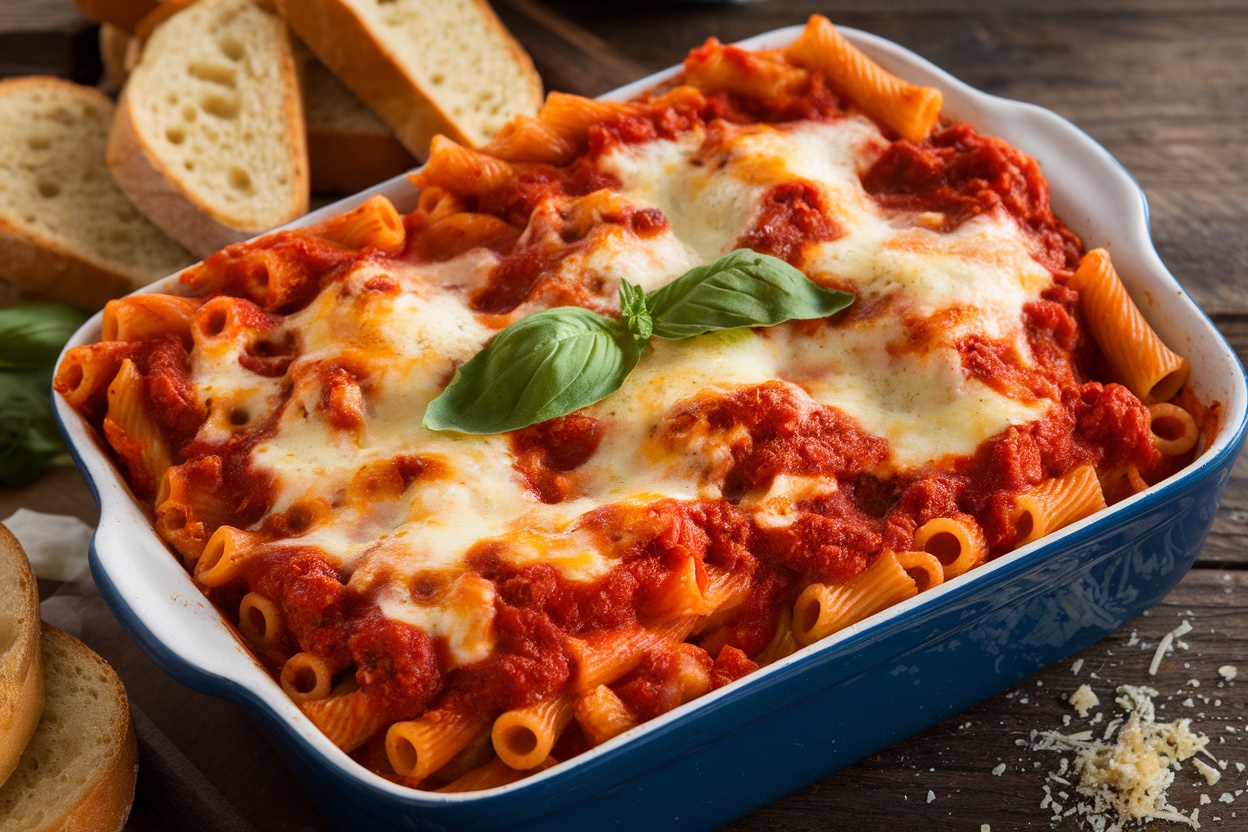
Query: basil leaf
{"type": "Point", "coordinates": [544, 365]}
{"type": "Point", "coordinates": [31, 336]}
{"type": "Point", "coordinates": [743, 288]}
{"type": "Point", "coordinates": [29, 439]}
{"type": "Point", "coordinates": [633, 311]}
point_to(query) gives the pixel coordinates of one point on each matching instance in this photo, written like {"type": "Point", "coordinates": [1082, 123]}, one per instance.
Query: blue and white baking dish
{"type": "Point", "coordinates": [827, 705]}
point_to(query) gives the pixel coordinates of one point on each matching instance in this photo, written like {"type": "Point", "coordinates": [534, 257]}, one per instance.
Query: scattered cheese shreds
{"type": "Point", "coordinates": [999, 770]}
{"type": "Point", "coordinates": [1228, 671]}
{"type": "Point", "coordinates": [1083, 700]}
{"type": "Point", "coordinates": [1211, 774]}
{"type": "Point", "coordinates": [931, 795]}
{"type": "Point", "coordinates": [1129, 775]}
{"type": "Point", "coordinates": [1178, 632]}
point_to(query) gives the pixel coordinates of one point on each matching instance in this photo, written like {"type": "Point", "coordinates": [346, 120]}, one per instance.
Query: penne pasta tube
{"type": "Point", "coordinates": [1173, 428]}
{"type": "Point", "coordinates": [602, 714]}
{"type": "Point", "coordinates": [305, 677]}
{"type": "Point", "coordinates": [907, 108]}
{"type": "Point", "coordinates": [1056, 503]}
{"type": "Point", "coordinates": [523, 737]}
{"type": "Point", "coordinates": [462, 170]}
{"type": "Point", "coordinates": [373, 224]}
{"type": "Point", "coordinates": [419, 747]}
{"type": "Point", "coordinates": [606, 656]}
{"type": "Point", "coordinates": [137, 317]}
{"type": "Point", "coordinates": [223, 557]}
{"type": "Point", "coordinates": [782, 643]}
{"type": "Point", "coordinates": [957, 542]}
{"type": "Point", "coordinates": [260, 620]}
{"type": "Point", "coordinates": [822, 610]}
{"type": "Point", "coordinates": [1139, 358]}
{"type": "Point", "coordinates": [347, 719]}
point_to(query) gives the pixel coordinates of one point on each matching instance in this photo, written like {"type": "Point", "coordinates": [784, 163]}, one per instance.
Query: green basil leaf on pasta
{"type": "Point", "coordinates": [633, 311]}
{"type": "Point", "coordinates": [31, 336]}
{"type": "Point", "coordinates": [544, 365]}
{"type": "Point", "coordinates": [743, 288]}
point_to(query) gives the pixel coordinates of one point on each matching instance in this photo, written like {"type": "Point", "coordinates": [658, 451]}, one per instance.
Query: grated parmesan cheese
{"type": "Point", "coordinates": [1083, 700]}
{"type": "Point", "coordinates": [1228, 671]}
{"type": "Point", "coordinates": [1129, 775]}
{"type": "Point", "coordinates": [1164, 646]}
{"type": "Point", "coordinates": [1211, 774]}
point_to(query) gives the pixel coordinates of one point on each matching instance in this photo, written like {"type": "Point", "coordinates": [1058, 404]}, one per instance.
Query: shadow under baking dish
{"type": "Point", "coordinates": [829, 704]}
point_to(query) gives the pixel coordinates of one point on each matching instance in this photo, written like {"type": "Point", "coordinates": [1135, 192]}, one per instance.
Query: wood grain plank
{"type": "Point", "coordinates": [568, 57]}
{"type": "Point", "coordinates": [47, 37]}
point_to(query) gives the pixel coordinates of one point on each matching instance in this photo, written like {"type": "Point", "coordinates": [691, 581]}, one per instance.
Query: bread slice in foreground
{"type": "Point", "coordinates": [349, 147]}
{"type": "Point", "coordinates": [67, 232]}
{"type": "Point", "coordinates": [80, 768]}
{"type": "Point", "coordinates": [209, 137]}
{"type": "Point", "coordinates": [21, 671]}
{"type": "Point", "coordinates": [425, 66]}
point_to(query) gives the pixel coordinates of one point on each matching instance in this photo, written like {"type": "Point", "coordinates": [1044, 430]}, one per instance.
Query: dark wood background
{"type": "Point", "coordinates": [1163, 84]}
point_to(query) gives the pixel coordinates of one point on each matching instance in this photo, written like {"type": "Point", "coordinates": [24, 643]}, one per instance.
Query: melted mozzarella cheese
{"type": "Point", "coordinates": [919, 399]}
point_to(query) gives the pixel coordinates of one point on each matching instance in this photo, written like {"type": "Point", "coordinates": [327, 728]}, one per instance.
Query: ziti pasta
{"type": "Point", "coordinates": [705, 455]}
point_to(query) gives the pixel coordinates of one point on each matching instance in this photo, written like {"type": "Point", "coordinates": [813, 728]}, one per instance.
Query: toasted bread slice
{"type": "Point", "coordinates": [80, 768]}
{"type": "Point", "coordinates": [21, 671]}
{"type": "Point", "coordinates": [349, 147]}
{"type": "Point", "coordinates": [425, 66]}
{"type": "Point", "coordinates": [67, 232]}
{"type": "Point", "coordinates": [209, 136]}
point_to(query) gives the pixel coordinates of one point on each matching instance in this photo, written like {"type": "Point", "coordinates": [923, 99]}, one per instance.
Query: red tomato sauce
{"type": "Point", "coordinates": [960, 174]}
{"type": "Point", "coordinates": [792, 216]}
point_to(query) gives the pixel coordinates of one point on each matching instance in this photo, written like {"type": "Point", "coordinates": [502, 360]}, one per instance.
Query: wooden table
{"type": "Point", "coordinates": [1163, 84]}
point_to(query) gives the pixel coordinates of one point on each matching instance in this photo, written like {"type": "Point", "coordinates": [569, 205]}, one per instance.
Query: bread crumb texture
{"type": "Point", "coordinates": [467, 69]}
{"type": "Point", "coordinates": [79, 739]}
{"type": "Point", "coordinates": [54, 184]}
{"type": "Point", "coordinates": [213, 104]}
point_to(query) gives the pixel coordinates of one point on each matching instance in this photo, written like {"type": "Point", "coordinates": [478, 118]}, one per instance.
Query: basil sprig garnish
{"type": "Point", "coordinates": [559, 360]}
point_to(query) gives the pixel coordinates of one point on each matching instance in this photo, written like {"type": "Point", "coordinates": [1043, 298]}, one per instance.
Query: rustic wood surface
{"type": "Point", "coordinates": [1163, 85]}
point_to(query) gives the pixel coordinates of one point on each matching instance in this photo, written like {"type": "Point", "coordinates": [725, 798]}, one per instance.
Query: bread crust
{"type": "Point", "coordinates": [105, 805]}
{"type": "Point", "coordinates": [105, 800]}
{"type": "Point", "coordinates": [45, 266]}
{"type": "Point", "coordinates": [344, 42]}
{"type": "Point", "coordinates": [51, 271]}
{"type": "Point", "coordinates": [21, 668]}
{"type": "Point", "coordinates": [158, 190]}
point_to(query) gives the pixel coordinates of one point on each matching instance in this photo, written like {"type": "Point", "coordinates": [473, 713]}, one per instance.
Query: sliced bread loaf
{"type": "Point", "coordinates": [67, 232]}
{"type": "Point", "coordinates": [425, 66]}
{"type": "Point", "coordinates": [21, 671]}
{"type": "Point", "coordinates": [349, 147]}
{"type": "Point", "coordinates": [209, 136]}
{"type": "Point", "coordinates": [79, 770]}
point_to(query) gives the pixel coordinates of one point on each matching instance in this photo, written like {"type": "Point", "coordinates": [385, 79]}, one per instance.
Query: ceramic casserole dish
{"type": "Point", "coordinates": [721, 755]}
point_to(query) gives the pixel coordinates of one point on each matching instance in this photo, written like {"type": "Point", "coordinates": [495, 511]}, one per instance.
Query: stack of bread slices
{"type": "Point", "coordinates": [226, 122]}
{"type": "Point", "coordinates": [68, 754]}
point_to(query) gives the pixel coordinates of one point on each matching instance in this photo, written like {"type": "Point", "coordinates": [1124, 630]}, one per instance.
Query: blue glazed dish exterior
{"type": "Point", "coordinates": [820, 709]}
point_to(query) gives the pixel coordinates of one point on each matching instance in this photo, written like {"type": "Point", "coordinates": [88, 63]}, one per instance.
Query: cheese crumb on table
{"type": "Point", "coordinates": [1127, 776]}
{"type": "Point", "coordinates": [1083, 700]}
